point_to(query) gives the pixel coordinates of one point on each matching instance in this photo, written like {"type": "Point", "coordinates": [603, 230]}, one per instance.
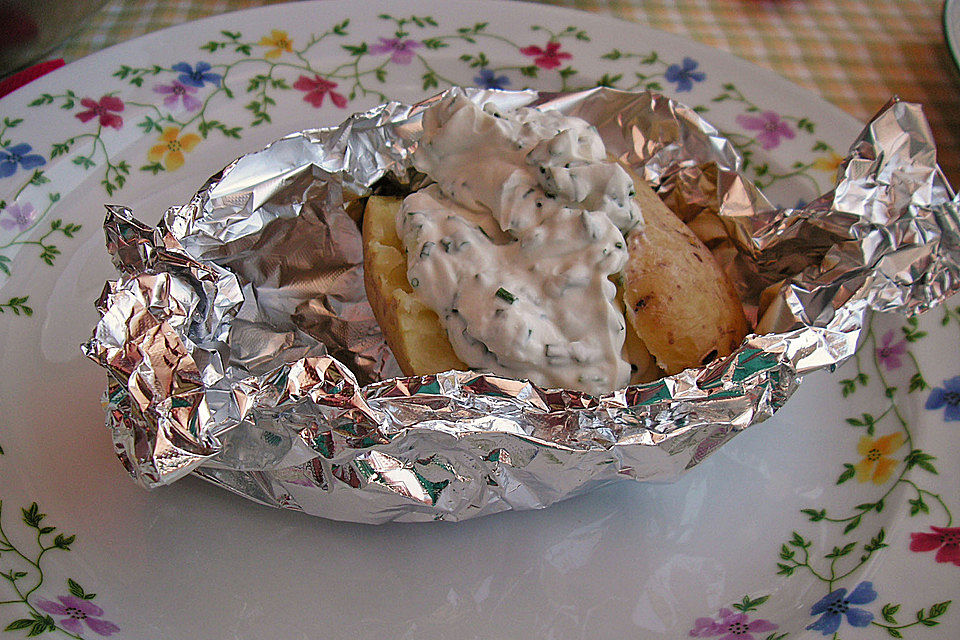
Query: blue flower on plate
{"type": "Point", "coordinates": [196, 76]}
{"type": "Point", "coordinates": [946, 396]}
{"type": "Point", "coordinates": [18, 155]}
{"type": "Point", "coordinates": [835, 605]}
{"type": "Point", "coordinates": [489, 79]}
{"type": "Point", "coordinates": [685, 75]}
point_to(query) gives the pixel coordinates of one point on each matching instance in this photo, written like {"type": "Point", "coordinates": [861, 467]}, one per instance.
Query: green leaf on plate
{"type": "Point", "coordinates": [917, 382]}
{"type": "Point", "coordinates": [848, 472]}
{"type": "Point", "coordinates": [750, 604]}
{"type": "Point", "coordinates": [853, 524]}
{"type": "Point", "coordinates": [889, 611]}
{"type": "Point", "coordinates": [22, 623]}
{"type": "Point", "coordinates": [918, 458]}
{"type": "Point", "coordinates": [358, 50]}
{"type": "Point", "coordinates": [814, 515]}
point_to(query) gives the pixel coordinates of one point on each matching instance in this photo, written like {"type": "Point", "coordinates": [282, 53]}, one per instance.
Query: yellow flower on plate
{"type": "Point", "coordinates": [171, 148]}
{"type": "Point", "coordinates": [280, 42]}
{"type": "Point", "coordinates": [828, 163]}
{"type": "Point", "coordinates": [876, 465]}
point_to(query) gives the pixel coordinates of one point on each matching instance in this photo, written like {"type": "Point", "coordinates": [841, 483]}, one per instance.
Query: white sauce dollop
{"type": "Point", "coordinates": [514, 244]}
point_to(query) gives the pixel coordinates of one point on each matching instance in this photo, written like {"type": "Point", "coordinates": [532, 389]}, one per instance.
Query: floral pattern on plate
{"type": "Point", "coordinates": [889, 459]}
{"type": "Point", "coordinates": [189, 92]}
{"type": "Point", "coordinates": [176, 104]}
{"type": "Point", "coordinates": [22, 570]}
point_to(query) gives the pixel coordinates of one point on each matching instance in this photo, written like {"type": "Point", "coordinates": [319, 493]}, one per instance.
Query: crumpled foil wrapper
{"type": "Point", "coordinates": [240, 346]}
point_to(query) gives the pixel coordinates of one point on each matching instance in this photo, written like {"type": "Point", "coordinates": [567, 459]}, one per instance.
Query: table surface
{"type": "Point", "coordinates": [855, 54]}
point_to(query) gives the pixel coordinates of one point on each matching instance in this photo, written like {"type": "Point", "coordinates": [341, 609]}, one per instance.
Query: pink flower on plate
{"type": "Point", "coordinates": [176, 91]}
{"type": "Point", "coordinates": [17, 216]}
{"type": "Point", "coordinates": [76, 612]}
{"type": "Point", "coordinates": [731, 626]}
{"type": "Point", "coordinates": [316, 88]}
{"type": "Point", "coordinates": [946, 540]}
{"type": "Point", "coordinates": [890, 352]}
{"type": "Point", "coordinates": [401, 51]}
{"type": "Point", "coordinates": [105, 109]}
{"type": "Point", "coordinates": [549, 58]}
{"type": "Point", "coordinates": [770, 126]}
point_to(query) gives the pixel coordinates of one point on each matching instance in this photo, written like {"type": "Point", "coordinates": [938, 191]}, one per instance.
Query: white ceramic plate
{"type": "Point", "coordinates": [951, 28]}
{"type": "Point", "coordinates": [810, 520]}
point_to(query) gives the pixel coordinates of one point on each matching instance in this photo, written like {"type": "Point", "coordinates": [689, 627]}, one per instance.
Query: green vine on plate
{"type": "Point", "coordinates": [795, 555]}
{"type": "Point", "coordinates": [7, 124]}
{"type": "Point", "coordinates": [273, 49]}
{"type": "Point", "coordinates": [641, 81]}
{"type": "Point", "coordinates": [771, 129]}
{"type": "Point", "coordinates": [878, 464]}
{"type": "Point", "coordinates": [22, 570]}
{"type": "Point", "coordinates": [18, 305]}
{"type": "Point", "coordinates": [926, 618]}
{"type": "Point", "coordinates": [883, 466]}
{"type": "Point", "coordinates": [115, 173]}
{"type": "Point", "coordinates": [36, 179]}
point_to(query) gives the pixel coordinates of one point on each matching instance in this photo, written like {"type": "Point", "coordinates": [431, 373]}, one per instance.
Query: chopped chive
{"type": "Point", "coordinates": [505, 295]}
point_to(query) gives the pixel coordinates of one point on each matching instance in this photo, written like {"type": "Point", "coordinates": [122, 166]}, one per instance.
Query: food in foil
{"type": "Point", "coordinates": [514, 249]}
{"type": "Point", "coordinates": [240, 345]}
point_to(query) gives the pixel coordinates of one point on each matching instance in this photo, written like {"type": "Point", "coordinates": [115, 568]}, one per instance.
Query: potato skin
{"type": "Point", "coordinates": [677, 297]}
{"type": "Point", "coordinates": [412, 330]}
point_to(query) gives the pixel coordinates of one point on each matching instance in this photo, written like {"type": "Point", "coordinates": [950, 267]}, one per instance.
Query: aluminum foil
{"type": "Point", "coordinates": [240, 346]}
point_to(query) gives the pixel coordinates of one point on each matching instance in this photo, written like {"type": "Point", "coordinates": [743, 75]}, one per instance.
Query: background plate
{"type": "Point", "coordinates": [848, 488]}
{"type": "Point", "coordinates": [951, 29]}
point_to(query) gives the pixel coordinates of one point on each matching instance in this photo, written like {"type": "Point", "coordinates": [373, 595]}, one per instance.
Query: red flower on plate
{"type": "Point", "coordinates": [316, 88]}
{"type": "Point", "coordinates": [946, 540]}
{"type": "Point", "coordinates": [549, 58]}
{"type": "Point", "coordinates": [106, 109]}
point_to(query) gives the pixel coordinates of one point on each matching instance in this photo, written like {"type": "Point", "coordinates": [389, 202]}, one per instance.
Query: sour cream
{"type": "Point", "coordinates": [515, 243]}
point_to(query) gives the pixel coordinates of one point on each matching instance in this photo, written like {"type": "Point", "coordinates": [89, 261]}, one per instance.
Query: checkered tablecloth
{"type": "Point", "coordinates": [855, 54]}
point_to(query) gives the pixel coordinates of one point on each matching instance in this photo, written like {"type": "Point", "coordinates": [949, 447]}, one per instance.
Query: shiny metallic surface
{"type": "Point", "coordinates": [240, 346]}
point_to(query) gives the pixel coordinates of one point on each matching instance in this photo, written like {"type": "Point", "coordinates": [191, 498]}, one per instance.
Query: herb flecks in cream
{"type": "Point", "coordinates": [514, 245]}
